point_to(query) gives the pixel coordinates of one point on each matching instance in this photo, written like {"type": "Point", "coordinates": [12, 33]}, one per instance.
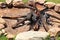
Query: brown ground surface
{"type": "Point", "coordinates": [19, 12]}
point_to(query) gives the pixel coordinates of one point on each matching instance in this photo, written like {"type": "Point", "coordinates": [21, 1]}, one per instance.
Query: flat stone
{"type": "Point", "coordinates": [1, 26]}
{"type": "Point", "coordinates": [40, 7]}
{"type": "Point", "coordinates": [3, 5]}
{"type": "Point", "coordinates": [2, 21]}
{"type": "Point", "coordinates": [8, 1]}
{"type": "Point", "coordinates": [5, 34]}
{"type": "Point", "coordinates": [49, 4]}
{"type": "Point", "coordinates": [17, 3]}
{"type": "Point", "coordinates": [33, 35]}
{"type": "Point", "coordinates": [14, 12]}
{"type": "Point", "coordinates": [3, 30]}
{"type": "Point", "coordinates": [10, 23]}
{"type": "Point", "coordinates": [10, 36]}
{"type": "Point", "coordinates": [57, 8]}
{"type": "Point", "coordinates": [17, 0]}
{"type": "Point", "coordinates": [54, 14]}
{"type": "Point", "coordinates": [53, 31]}
{"type": "Point", "coordinates": [31, 0]}
{"type": "Point", "coordinates": [0, 3]}
{"type": "Point", "coordinates": [40, 1]}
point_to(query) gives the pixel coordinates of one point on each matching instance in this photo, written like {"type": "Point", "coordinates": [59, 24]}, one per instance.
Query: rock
{"type": "Point", "coordinates": [2, 21]}
{"type": "Point", "coordinates": [3, 30]}
{"type": "Point", "coordinates": [53, 14]}
{"type": "Point", "coordinates": [10, 36]}
{"type": "Point", "coordinates": [1, 26]}
{"type": "Point", "coordinates": [17, 3]}
{"type": "Point", "coordinates": [53, 31]}
{"type": "Point", "coordinates": [3, 5]}
{"type": "Point", "coordinates": [40, 7]}
{"type": "Point", "coordinates": [6, 34]}
{"type": "Point", "coordinates": [17, 0]}
{"type": "Point", "coordinates": [0, 3]}
{"type": "Point", "coordinates": [10, 23]}
{"type": "Point", "coordinates": [14, 12]}
{"type": "Point", "coordinates": [8, 1]}
{"type": "Point", "coordinates": [36, 38]}
{"type": "Point", "coordinates": [31, 2]}
{"type": "Point", "coordinates": [57, 8]}
{"type": "Point", "coordinates": [49, 4]}
{"type": "Point", "coordinates": [40, 1]}
{"type": "Point", "coordinates": [32, 35]}
{"type": "Point", "coordinates": [0, 32]}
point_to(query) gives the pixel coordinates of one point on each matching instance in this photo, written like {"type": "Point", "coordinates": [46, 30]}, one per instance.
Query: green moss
{"type": "Point", "coordinates": [48, 37]}
{"type": "Point", "coordinates": [2, 37]}
{"type": "Point", "coordinates": [2, 0]}
{"type": "Point", "coordinates": [25, 1]}
{"type": "Point", "coordinates": [55, 1]}
{"type": "Point", "coordinates": [14, 38]}
{"type": "Point", "coordinates": [58, 38]}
